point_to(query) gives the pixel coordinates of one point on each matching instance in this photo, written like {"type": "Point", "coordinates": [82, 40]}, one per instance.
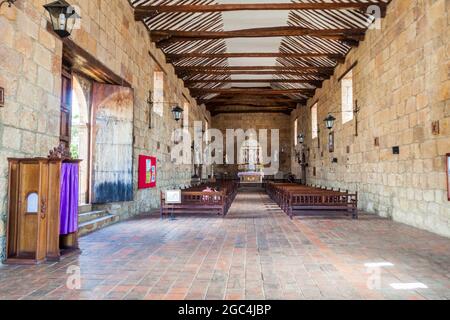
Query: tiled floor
{"type": "Point", "coordinates": [257, 252]}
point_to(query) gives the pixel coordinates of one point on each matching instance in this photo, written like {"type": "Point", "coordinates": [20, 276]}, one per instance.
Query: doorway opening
{"type": "Point", "coordinates": [80, 138]}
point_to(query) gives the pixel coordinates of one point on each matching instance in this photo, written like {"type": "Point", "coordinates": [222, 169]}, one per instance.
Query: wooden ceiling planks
{"type": "Point", "coordinates": [317, 37]}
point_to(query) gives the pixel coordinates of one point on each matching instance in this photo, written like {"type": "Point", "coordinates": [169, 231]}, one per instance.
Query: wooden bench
{"type": "Point", "coordinates": [195, 200]}
{"type": "Point", "coordinates": [293, 198]}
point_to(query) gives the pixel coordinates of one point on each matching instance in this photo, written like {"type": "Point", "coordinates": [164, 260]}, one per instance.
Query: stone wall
{"type": "Point", "coordinates": [257, 121]}
{"type": "Point", "coordinates": [402, 84]}
{"type": "Point", "coordinates": [30, 72]}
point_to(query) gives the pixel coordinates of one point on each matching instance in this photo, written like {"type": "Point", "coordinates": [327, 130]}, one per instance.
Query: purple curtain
{"type": "Point", "coordinates": [69, 199]}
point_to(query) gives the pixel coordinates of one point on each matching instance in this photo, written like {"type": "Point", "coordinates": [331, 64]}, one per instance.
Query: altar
{"type": "Point", "coordinates": [251, 169]}
{"type": "Point", "coordinates": [251, 177]}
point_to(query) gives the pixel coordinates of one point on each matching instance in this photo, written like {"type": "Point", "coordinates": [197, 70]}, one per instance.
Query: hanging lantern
{"type": "Point", "coordinates": [63, 17]}
{"type": "Point", "coordinates": [177, 113]}
{"type": "Point", "coordinates": [329, 121]}
{"type": "Point", "coordinates": [301, 138]}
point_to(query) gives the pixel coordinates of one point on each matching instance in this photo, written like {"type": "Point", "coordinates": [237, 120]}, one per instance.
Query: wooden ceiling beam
{"type": "Point", "coordinates": [332, 56]}
{"type": "Point", "coordinates": [253, 91]}
{"type": "Point", "coordinates": [255, 68]}
{"type": "Point", "coordinates": [245, 101]}
{"type": "Point", "coordinates": [216, 112]}
{"type": "Point", "coordinates": [314, 83]}
{"type": "Point", "coordinates": [165, 37]}
{"type": "Point", "coordinates": [249, 99]}
{"type": "Point", "coordinates": [254, 72]}
{"type": "Point", "coordinates": [145, 11]}
{"type": "Point", "coordinates": [250, 105]}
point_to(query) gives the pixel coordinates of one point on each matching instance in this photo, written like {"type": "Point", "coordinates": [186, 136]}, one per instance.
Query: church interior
{"type": "Point", "coordinates": [225, 150]}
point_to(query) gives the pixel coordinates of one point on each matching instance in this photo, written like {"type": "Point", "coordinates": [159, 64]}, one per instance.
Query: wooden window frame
{"type": "Point", "coordinates": [66, 105]}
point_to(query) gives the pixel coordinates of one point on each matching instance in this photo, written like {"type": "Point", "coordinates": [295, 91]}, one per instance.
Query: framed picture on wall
{"type": "Point", "coordinates": [331, 142]}
{"type": "Point", "coordinates": [147, 172]}
{"type": "Point", "coordinates": [448, 176]}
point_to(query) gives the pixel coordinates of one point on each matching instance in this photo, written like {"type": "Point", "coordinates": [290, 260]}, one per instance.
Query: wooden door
{"type": "Point", "coordinates": [28, 218]}
{"type": "Point", "coordinates": [112, 143]}
{"type": "Point", "coordinates": [66, 107]}
{"type": "Point", "coordinates": [32, 210]}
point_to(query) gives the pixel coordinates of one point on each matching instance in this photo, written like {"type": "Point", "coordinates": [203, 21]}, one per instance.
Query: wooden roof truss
{"type": "Point", "coordinates": [316, 37]}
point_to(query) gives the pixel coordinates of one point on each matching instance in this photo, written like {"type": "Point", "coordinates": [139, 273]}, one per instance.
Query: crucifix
{"type": "Point", "coordinates": [356, 111]}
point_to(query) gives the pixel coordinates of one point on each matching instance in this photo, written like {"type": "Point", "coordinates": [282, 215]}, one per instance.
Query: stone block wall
{"type": "Point", "coordinates": [30, 72]}
{"type": "Point", "coordinates": [402, 84]}
{"type": "Point", "coordinates": [257, 121]}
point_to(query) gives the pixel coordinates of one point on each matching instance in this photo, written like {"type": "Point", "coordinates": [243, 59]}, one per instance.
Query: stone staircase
{"type": "Point", "coordinates": [90, 220]}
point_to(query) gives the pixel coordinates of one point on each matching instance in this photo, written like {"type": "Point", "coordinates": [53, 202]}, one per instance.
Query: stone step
{"type": "Point", "coordinates": [91, 215]}
{"type": "Point", "coordinates": [96, 224]}
{"type": "Point", "coordinates": [84, 208]}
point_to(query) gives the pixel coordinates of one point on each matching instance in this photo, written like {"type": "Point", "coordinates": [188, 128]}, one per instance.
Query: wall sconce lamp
{"type": "Point", "coordinates": [330, 120]}
{"type": "Point", "coordinates": [300, 148]}
{"type": "Point", "coordinates": [63, 17]}
{"type": "Point", "coordinates": [9, 2]}
{"type": "Point", "coordinates": [177, 113]}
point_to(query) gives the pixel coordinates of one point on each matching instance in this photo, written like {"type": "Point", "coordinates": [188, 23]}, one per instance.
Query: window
{"type": "Point", "coordinates": [158, 93]}
{"type": "Point", "coordinates": [206, 130]}
{"type": "Point", "coordinates": [32, 203]}
{"type": "Point", "coordinates": [347, 97]}
{"type": "Point", "coordinates": [296, 132]}
{"type": "Point", "coordinates": [315, 124]}
{"type": "Point", "coordinates": [186, 115]}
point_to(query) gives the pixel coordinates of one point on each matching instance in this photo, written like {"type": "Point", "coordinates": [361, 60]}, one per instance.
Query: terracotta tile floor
{"type": "Point", "coordinates": [257, 252]}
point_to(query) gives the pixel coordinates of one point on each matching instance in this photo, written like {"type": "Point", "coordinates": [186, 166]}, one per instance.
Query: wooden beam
{"type": "Point", "coordinates": [253, 91]}
{"type": "Point", "coordinates": [84, 62]}
{"type": "Point", "coordinates": [250, 105]}
{"type": "Point", "coordinates": [194, 69]}
{"type": "Point", "coordinates": [315, 83]}
{"type": "Point", "coordinates": [223, 98]}
{"type": "Point", "coordinates": [144, 11]}
{"type": "Point", "coordinates": [255, 72]}
{"type": "Point", "coordinates": [248, 100]}
{"type": "Point", "coordinates": [157, 62]}
{"type": "Point", "coordinates": [169, 36]}
{"type": "Point", "coordinates": [216, 112]}
{"type": "Point", "coordinates": [333, 56]}
{"type": "Point", "coordinates": [208, 81]}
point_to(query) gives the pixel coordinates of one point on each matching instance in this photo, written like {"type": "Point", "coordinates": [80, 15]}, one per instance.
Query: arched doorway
{"type": "Point", "coordinates": [80, 142]}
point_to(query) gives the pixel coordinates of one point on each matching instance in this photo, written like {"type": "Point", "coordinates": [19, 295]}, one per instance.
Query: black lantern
{"type": "Point", "coordinates": [301, 138]}
{"type": "Point", "coordinates": [329, 121]}
{"type": "Point", "coordinates": [177, 113]}
{"type": "Point", "coordinates": [63, 17]}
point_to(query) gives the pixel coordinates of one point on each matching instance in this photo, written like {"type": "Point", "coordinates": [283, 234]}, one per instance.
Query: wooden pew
{"type": "Point", "coordinates": [293, 198]}
{"type": "Point", "coordinates": [195, 200]}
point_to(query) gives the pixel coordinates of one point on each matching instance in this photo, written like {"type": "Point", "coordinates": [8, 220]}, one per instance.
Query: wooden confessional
{"type": "Point", "coordinates": [33, 232]}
